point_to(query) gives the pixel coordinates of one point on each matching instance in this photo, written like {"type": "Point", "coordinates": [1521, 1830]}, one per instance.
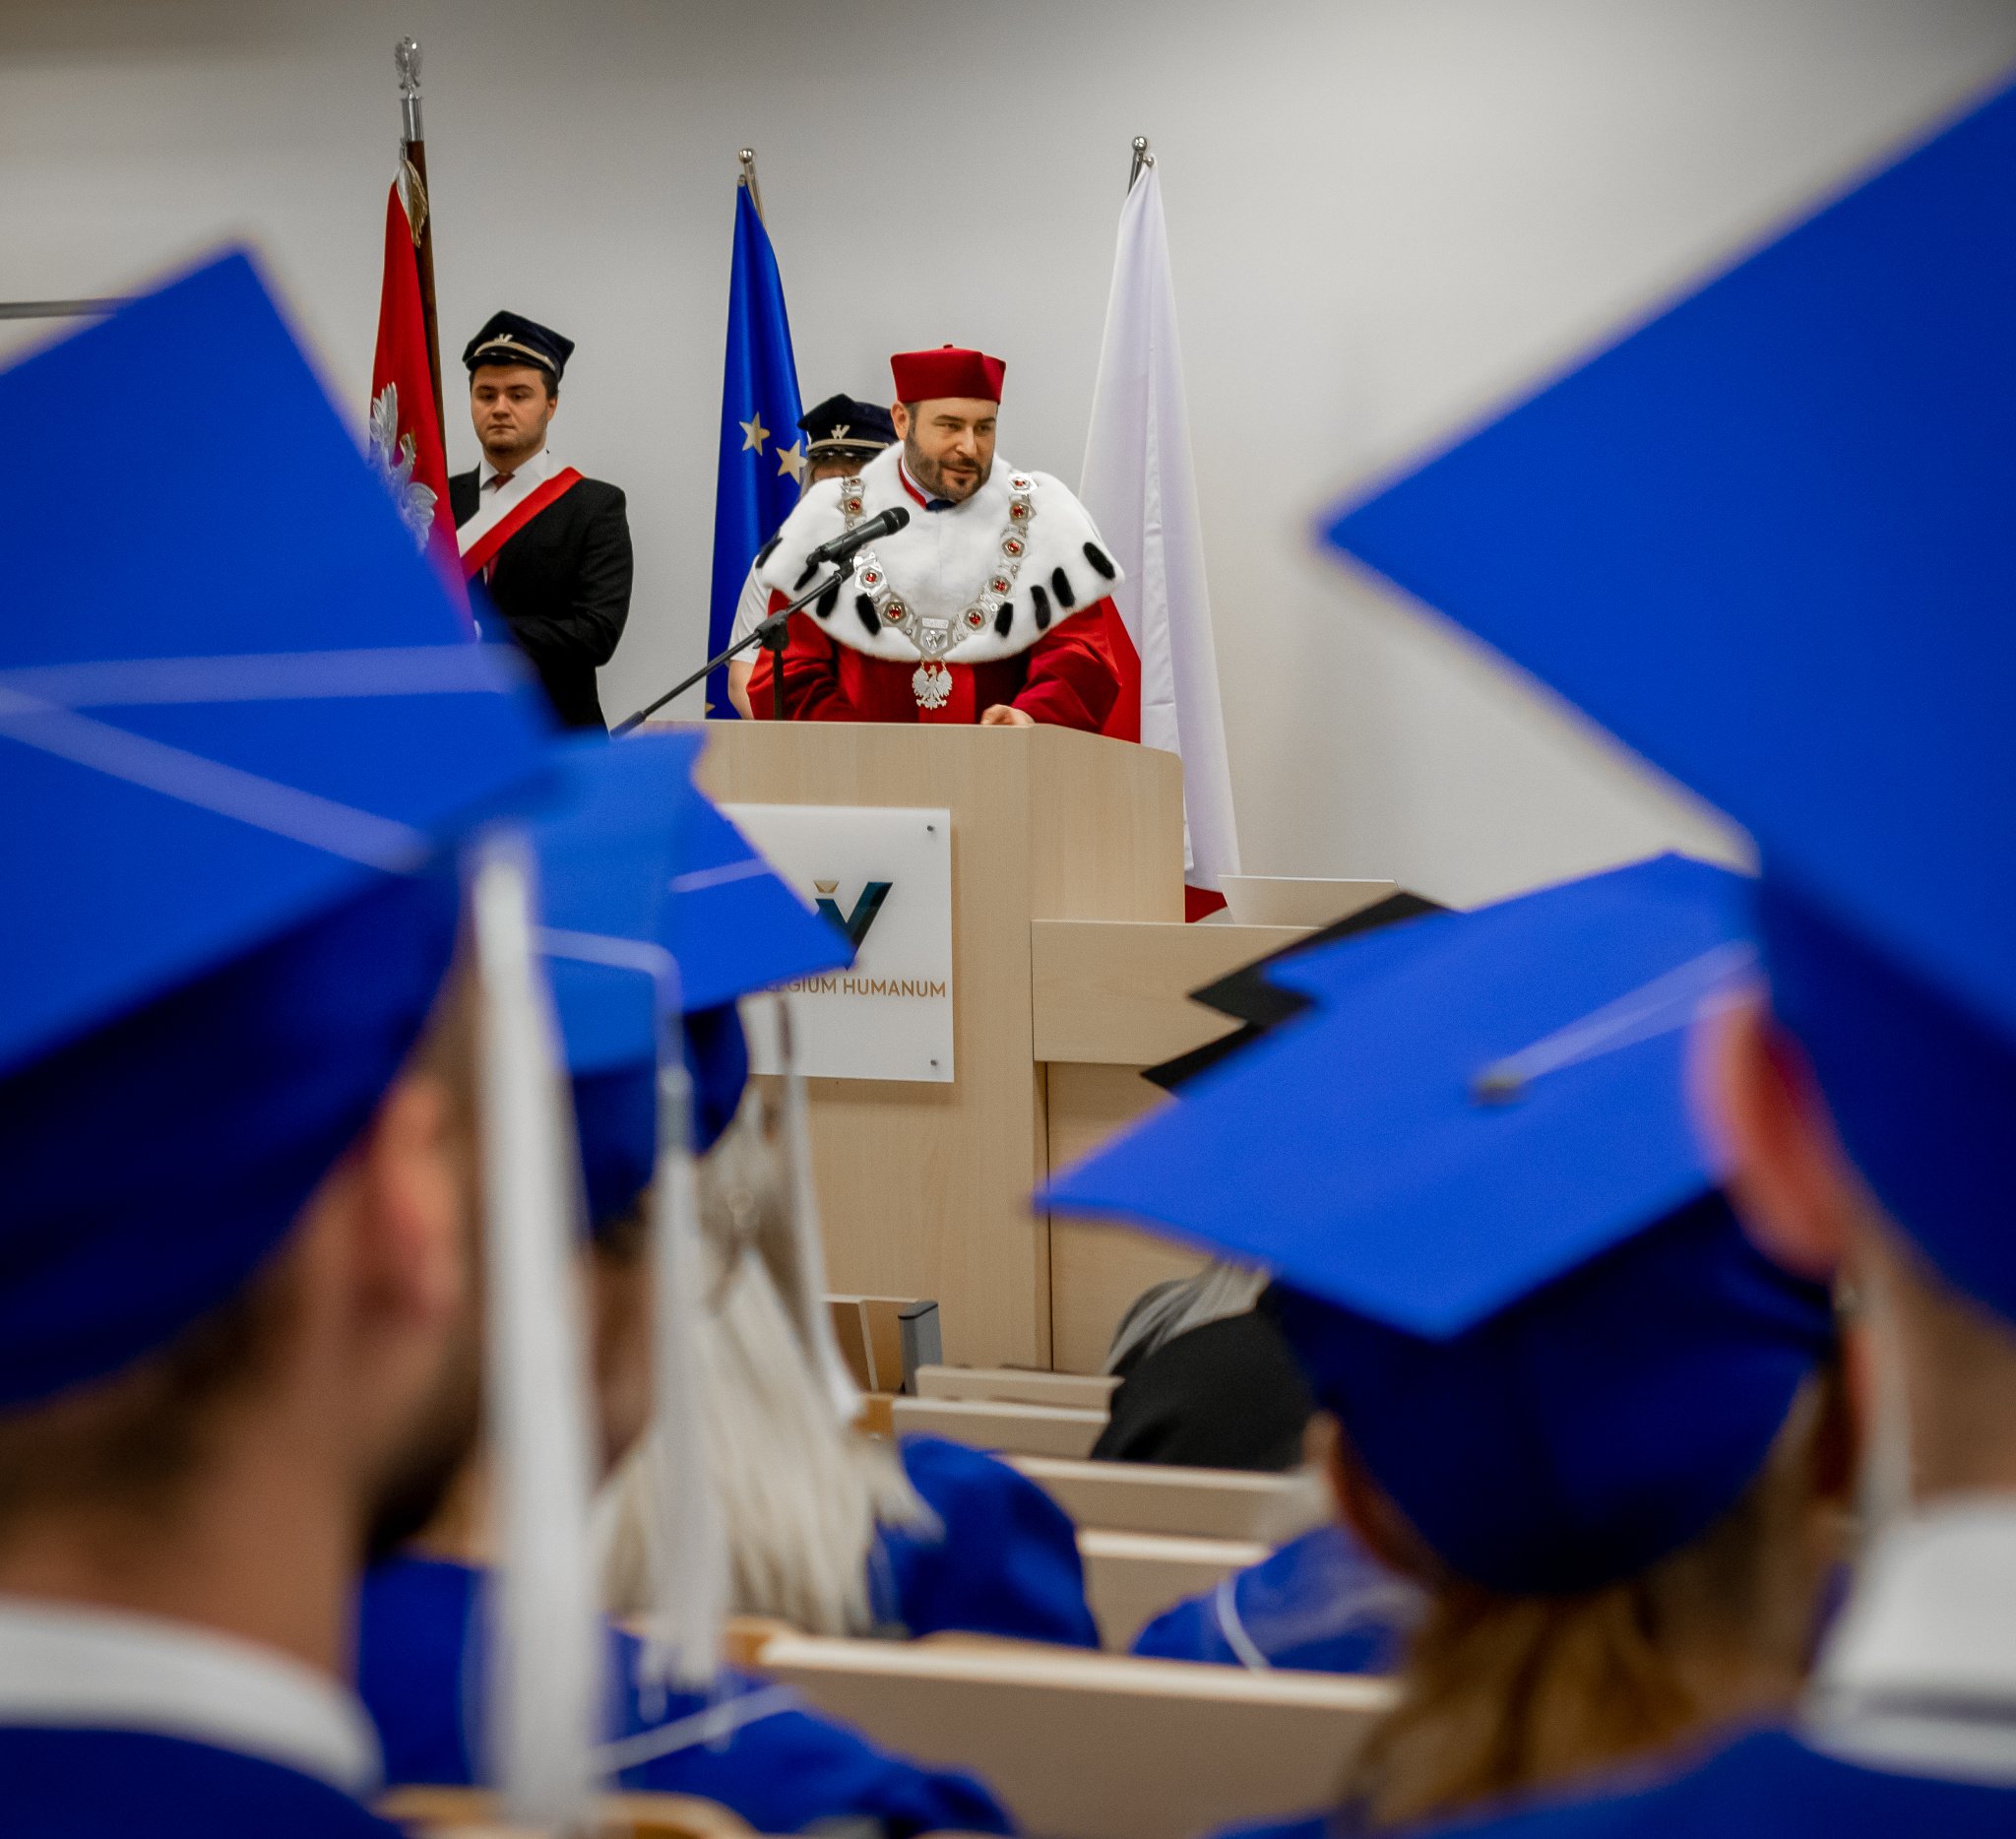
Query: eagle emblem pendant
{"type": "Point", "coordinates": [932, 686]}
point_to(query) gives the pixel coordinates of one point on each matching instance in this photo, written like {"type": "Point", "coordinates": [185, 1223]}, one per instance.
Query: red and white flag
{"type": "Point", "coordinates": [405, 438]}
{"type": "Point", "coordinates": [1140, 489]}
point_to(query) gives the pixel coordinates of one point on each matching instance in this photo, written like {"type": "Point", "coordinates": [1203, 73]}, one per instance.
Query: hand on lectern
{"type": "Point", "coordinates": [1003, 715]}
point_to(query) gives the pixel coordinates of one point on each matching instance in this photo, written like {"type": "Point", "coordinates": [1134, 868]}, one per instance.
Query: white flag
{"type": "Point", "coordinates": [1140, 489]}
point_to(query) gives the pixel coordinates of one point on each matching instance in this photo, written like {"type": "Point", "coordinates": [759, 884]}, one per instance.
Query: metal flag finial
{"type": "Point", "coordinates": [1142, 158]}
{"type": "Point", "coordinates": [406, 60]}
{"type": "Point", "coordinates": [748, 159]}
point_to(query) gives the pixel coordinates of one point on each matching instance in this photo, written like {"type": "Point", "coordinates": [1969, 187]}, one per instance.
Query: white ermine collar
{"type": "Point", "coordinates": [982, 581]}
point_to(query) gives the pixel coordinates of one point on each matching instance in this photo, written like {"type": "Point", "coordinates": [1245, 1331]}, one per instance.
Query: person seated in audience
{"type": "Point", "coordinates": [238, 1114]}
{"type": "Point", "coordinates": [1206, 1379]}
{"type": "Point", "coordinates": [1763, 540]}
{"type": "Point", "coordinates": [731, 1739]}
{"type": "Point", "coordinates": [1321, 1603]}
{"type": "Point", "coordinates": [832, 1530]}
{"type": "Point", "coordinates": [1600, 1432]}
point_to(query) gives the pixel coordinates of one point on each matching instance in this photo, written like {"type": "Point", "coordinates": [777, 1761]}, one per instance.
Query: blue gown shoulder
{"type": "Point", "coordinates": [1006, 1563]}
{"type": "Point", "coordinates": [78, 1784]}
{"type": "Point", "coordinates": [1764, 1786]}
{"type": "Point", "coordinates": [1321, 1603]}
{"type": "Point", "coordinates": [751, 1747]}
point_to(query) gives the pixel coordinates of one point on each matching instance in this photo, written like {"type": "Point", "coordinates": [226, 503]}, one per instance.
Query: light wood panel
{"type": "Point", "coordinates": [1098, 1745]}
{"type": "Point", "coordinates": [1097, 1271]}
{"type": "Point", "coordinates": [1116, 994]}
{"type": "Point", "coordinates": [924, 1188]}
{"type": "Point", "coordinates": [990, 1424]}
{"type": "Point", "coordinates": [1130, 1578]}
{"type": "Point", "coordinates": [1199, 1503]}
{"type": "Point", "coordinates": [1013, 1386]}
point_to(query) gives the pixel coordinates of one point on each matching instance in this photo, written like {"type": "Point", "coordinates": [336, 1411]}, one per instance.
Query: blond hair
{"type": "Point", "coordinates": [802, 1495]}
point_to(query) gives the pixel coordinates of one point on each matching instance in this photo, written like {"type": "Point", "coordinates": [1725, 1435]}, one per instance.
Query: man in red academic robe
{"type": "Point", "coordinates": [989, 607]}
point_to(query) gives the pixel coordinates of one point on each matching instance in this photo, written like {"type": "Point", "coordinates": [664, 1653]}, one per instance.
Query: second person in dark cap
{"type": "Point", "coordinates": [550, 548]}
{"type": "Point", "coordinates": [842, 435]}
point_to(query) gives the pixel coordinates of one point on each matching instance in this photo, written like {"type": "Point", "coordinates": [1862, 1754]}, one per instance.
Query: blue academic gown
{"type": "Point", "coordinates": [780, 1770]}
{"type": "Point", "coordinates": [1320, 1604]}
{"type": "Point", "coordinates": [1764, 1786]}
{"type": "Point", "coordinates": [1007, 1562]}
{"type": "Point", "coordinates": [82, 1784]}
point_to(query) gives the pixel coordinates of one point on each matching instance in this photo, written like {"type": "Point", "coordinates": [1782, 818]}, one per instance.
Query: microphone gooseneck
{"type": "Point", "coordinates": [840, 549]}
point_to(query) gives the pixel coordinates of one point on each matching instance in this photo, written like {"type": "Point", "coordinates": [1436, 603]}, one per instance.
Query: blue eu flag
{"type": "Point", "coordinates": [762, 452]}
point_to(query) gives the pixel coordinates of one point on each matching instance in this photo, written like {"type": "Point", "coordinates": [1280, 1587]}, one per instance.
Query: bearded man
{"type": "Point", "coordinates": [989, 607]}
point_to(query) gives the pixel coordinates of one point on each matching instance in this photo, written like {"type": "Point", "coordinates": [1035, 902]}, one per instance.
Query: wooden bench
{"type": "Point", "coordinates": [1130, 1578]}
{"type": "Point", "coordinates": [1015, 1385]}
{"type": "Point", "coordinates": [1095, 1746]}
{"type": "Point", "coordinates": [990, 1424]}
{"type": "Point", "coordinates": [476, 1813]}
{"type": "Point", "coordinates": [1202, 1503]}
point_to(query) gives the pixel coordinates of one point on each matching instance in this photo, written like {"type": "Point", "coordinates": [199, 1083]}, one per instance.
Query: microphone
{"type": "Point", "coordinates": [841, 549]}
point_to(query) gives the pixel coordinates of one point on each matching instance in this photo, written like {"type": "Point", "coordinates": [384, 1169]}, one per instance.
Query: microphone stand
{"type": "Point", "coordinates": [769, 633]}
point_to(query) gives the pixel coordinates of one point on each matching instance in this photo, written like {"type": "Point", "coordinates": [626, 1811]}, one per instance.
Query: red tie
{"type": "Point", "coordinates": [491, 484]}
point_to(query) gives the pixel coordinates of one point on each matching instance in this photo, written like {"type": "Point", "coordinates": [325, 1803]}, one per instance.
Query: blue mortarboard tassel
{"type": "Point", "coordinates": [1500, 1251]}
{"type": "Point", "coordinates": [1764, 538]}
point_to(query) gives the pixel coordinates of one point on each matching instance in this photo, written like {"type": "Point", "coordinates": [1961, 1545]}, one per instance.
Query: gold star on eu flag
{"type": "Point", "coordinates": [754, 434]}
{"type": "Point", "coordinates": [791, 460]}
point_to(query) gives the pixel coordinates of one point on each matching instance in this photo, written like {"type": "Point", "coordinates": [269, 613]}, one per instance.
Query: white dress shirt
{"type": "Point", "coordinates": [64, 1665]}
{"type": "Point", "coordinates": [1919, 1676]}
{"type": "Point", "coordinates": [495, 501]}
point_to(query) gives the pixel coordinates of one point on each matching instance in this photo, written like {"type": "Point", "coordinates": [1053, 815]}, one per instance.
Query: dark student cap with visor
{"type": "Point", "coordinates": [242, 732]}
{"type": "Point", "coordinates": [1766, 540]}
{"type": "Point", "coordinates": [653, 902]}
{"type": "Point", "coordinates": [1501, 1254]}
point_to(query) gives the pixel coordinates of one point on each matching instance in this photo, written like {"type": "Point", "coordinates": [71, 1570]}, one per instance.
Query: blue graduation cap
{"type": "Point", "coordinates": [651, 897]}
{"type": "Point", "coordinates": [735, 924]}
{"type": "Point", "coordinates": [1765, 540]}
{"type": "Point", "coordinates": [239, 721]}
{"type": "Point", "coordinates": [605, 858]}
{"type": "Point", "coordinates": [1501, 1249]}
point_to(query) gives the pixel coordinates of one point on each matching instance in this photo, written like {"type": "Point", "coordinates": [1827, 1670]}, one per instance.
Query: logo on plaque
{"type": "Point", "coordinates": [857, 924]}
{"type": "Point", "coordinates": [882, 875]}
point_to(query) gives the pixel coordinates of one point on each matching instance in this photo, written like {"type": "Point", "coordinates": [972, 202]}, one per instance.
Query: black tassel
{"type": "Point", "coordinates": [869, 617]}
{"type": "Point", "coordinates": [811, 569]}
{"type": "Point", "coordinates": [1042, 608]}
{"type": "Point", "coordinates": [769, 549]}
{"type": "Point", "coordinates": [829, 599]}
{"type": "Point", "coordinates": [1005, 617]}
{"type": "Point", "coordinates": [1100, 559]}
{"type": "Point", "coordinates": [1061, 586]}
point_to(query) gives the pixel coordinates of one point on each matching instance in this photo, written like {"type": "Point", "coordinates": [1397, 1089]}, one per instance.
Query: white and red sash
{"type": "Point", "coordinates": [494, 523]}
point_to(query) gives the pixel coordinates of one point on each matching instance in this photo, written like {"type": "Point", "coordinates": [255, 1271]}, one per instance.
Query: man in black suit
{"type": "Point", "coordinates": [550, 548]}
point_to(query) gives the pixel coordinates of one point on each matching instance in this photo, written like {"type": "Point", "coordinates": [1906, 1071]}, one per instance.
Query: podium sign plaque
{"type": "Point", "coordinates": [882, 875]}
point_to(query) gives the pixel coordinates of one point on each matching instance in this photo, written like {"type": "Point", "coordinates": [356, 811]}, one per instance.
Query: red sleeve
{"type": "Point", "coordinates": [1071, 680]}
{"type": "Point", "coordinates": [811, 675]}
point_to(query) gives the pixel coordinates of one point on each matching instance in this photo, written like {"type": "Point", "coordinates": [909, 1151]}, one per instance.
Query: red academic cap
{"type": "Point", "coordinates": [924, 376]}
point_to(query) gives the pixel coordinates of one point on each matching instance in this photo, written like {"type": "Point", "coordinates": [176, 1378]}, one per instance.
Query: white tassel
{"type": "Point", "coordinates": [805, 1282]}
{"type": "Point", "coordinates": [546, 1689]}
{"type": "Point", "coordinates": [799, 1495]}
{"type": "Point", "coordinates": [687, 1554]}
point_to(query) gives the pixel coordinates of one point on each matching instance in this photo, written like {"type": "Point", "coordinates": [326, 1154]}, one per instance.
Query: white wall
{"type": "Point", "coordinates": [1384, 216]}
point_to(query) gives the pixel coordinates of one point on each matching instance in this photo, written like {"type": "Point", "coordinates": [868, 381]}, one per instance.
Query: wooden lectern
{"type": "Point", "coordinates": [1070, 959]}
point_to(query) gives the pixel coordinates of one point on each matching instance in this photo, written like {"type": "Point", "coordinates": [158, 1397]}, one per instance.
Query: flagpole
{"type": "Point", "coordinates": [1142, 158]}
{"type": "Point", "coordinates": [748, 159]}
{"type": "Point", "coordinates": [413, 153]}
